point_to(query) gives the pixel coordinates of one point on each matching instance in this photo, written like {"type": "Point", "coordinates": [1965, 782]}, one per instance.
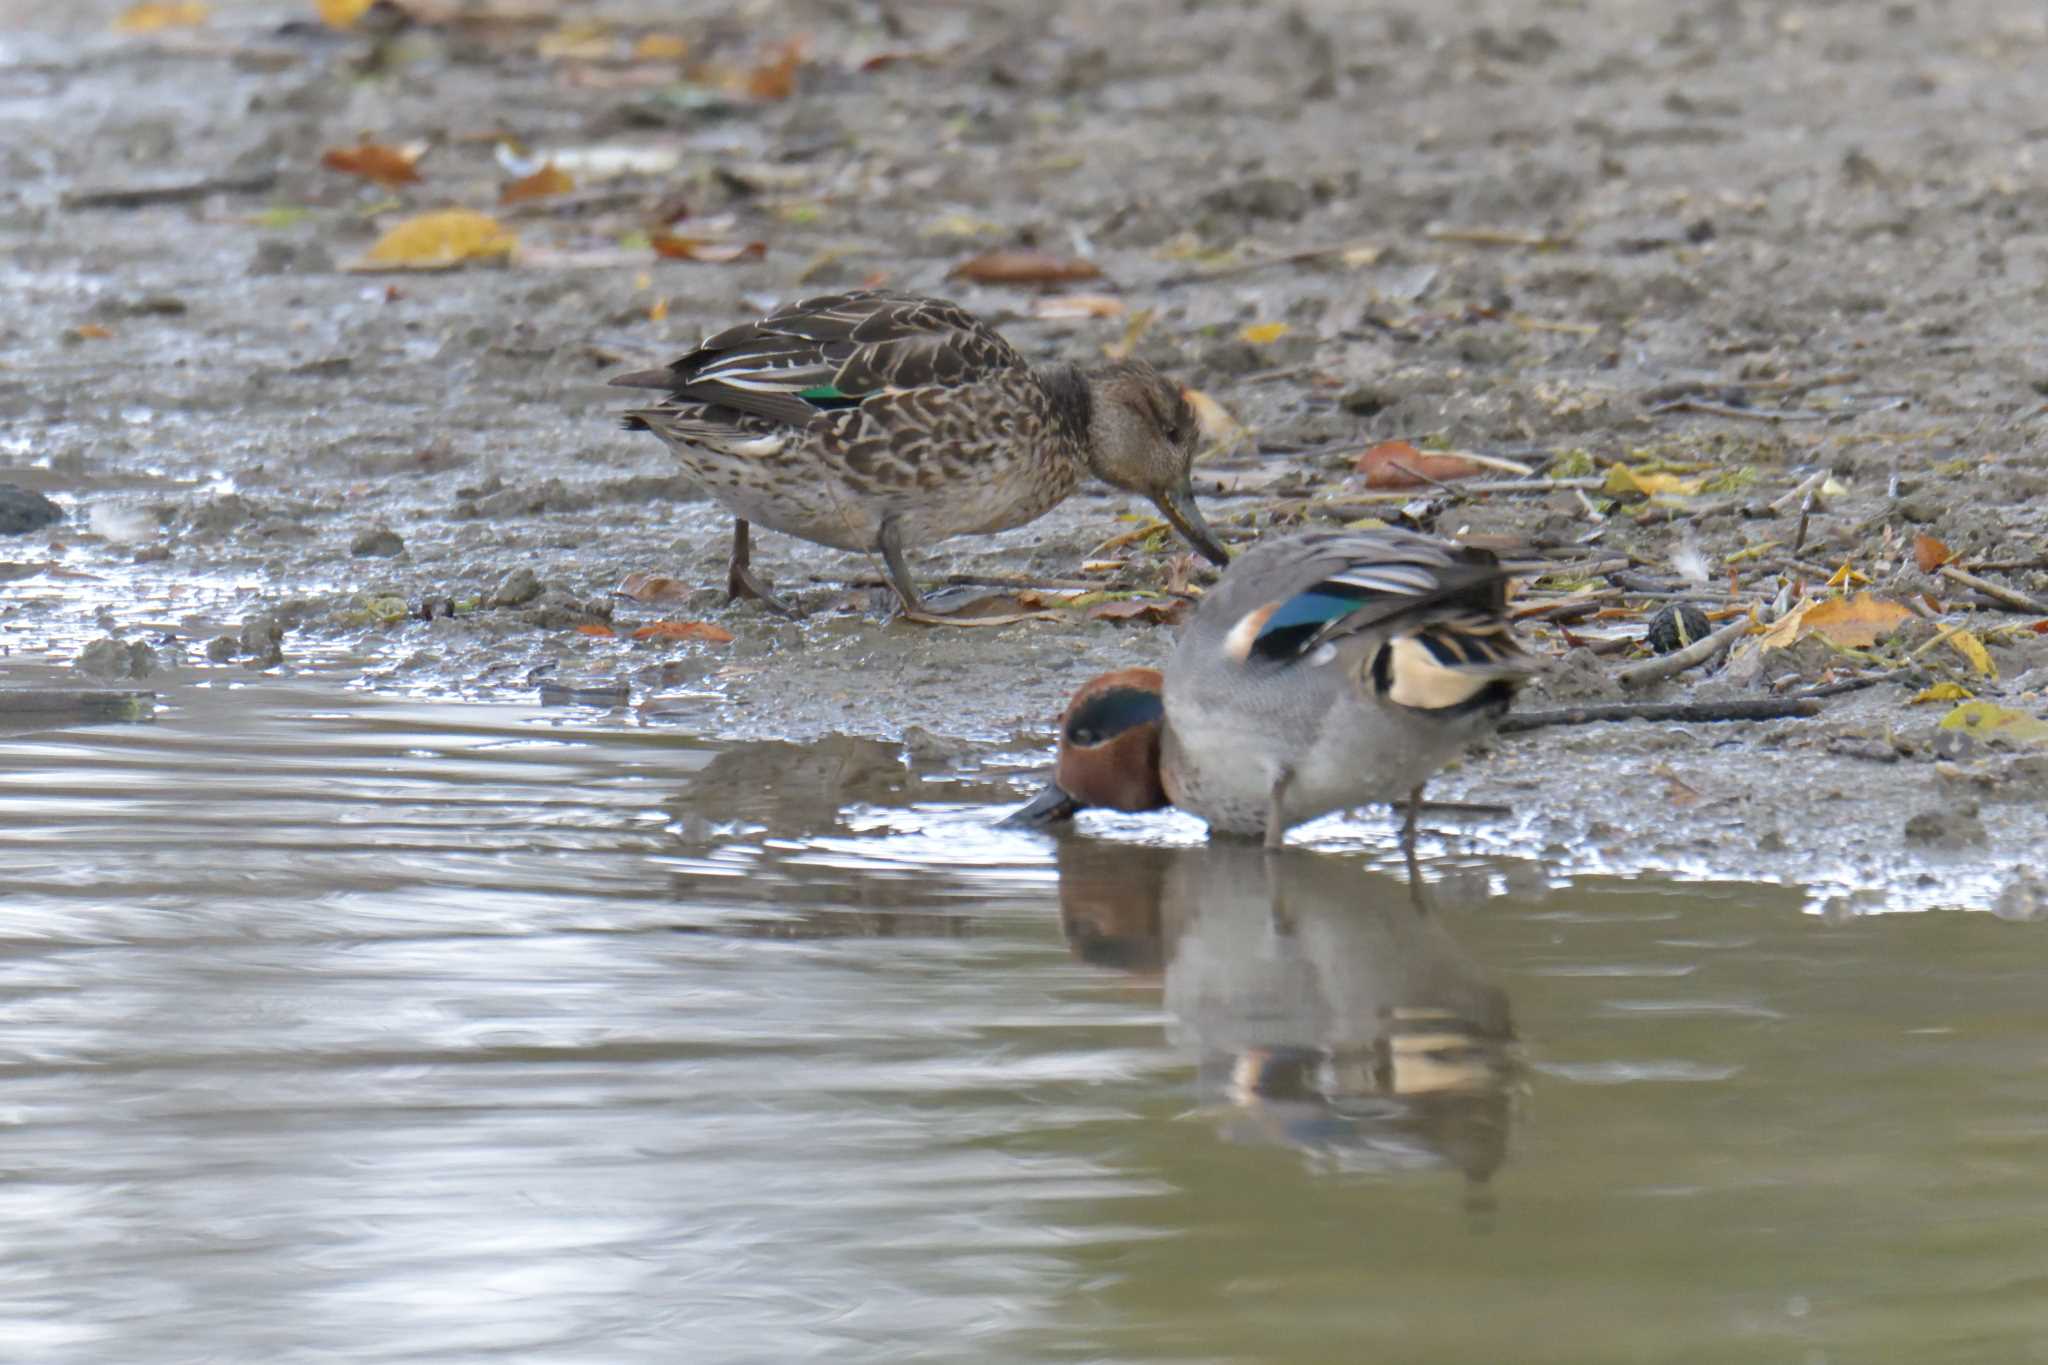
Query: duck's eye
{"type": "Point", "coordinates": [1082, 734]}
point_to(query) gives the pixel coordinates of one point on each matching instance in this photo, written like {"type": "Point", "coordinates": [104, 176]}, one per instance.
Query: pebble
{"type": "Point", "coordinates": [23, 510]}
{"type": "Point", "coordinates": [108, 657]}
{"type": "Point", "coordinates": [378, 543]}
{"type": "Point", "coordinates": [262, 640]}
{"type": "Point", "coordinates": [515, 589]}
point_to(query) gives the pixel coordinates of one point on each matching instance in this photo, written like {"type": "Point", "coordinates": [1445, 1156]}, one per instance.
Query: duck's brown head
{"type": "Point", "coordinates": [1109, 750]}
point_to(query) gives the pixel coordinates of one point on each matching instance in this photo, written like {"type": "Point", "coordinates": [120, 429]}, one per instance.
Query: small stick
{"type": "Point", "coordinates": [141, 196]}
{"type": "Point", "coordinates": [1701, 405]}
{"type": "Point", "coordinates": [1224, 272]}
{"type": "Point", "coordinates": [1744, 708]}
{"type": "Point", "coordinates": [1806, 487]}
{"type": "Point", "coordinates": [1698, 652]}
{"type": "Point", "coordinates": [2018, 601]}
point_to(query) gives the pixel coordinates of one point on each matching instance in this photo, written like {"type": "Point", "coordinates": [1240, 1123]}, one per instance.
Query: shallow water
{"type": "Point", "coordinates": [336, 1025]}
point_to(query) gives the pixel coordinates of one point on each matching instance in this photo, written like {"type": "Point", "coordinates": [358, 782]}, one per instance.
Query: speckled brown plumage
{"type": "Point", "coordinates": [880, 421]}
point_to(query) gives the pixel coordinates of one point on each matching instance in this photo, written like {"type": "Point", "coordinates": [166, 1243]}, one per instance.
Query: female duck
{"type": "Point", "coordinates": [1324, 671]}
{"type": "Point", "coordinates": [883, 422]}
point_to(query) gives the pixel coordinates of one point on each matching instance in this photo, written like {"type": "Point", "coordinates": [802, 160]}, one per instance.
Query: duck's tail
{"type": "Point", "coordinates": [1453, 665]}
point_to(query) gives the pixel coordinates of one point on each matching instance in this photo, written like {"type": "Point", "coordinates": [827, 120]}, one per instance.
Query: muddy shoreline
{"type": "Point", "coordinates": [1754, 247]}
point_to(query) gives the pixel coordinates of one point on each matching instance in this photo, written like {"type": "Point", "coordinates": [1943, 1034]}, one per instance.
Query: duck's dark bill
{"type": "Point", "coordinates": [1179, 507]}
{"type": "Point", "coordinates": [1049, 807]}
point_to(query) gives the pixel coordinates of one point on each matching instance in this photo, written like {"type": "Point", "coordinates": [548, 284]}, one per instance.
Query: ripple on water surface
{"type": "Point", "coordinates": [336, 1025]}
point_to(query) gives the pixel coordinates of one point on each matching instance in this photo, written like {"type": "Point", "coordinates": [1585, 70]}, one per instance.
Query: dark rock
{"type": "Point", "coordinates": [111, 658]}
{"type": "Point", "coordinates": [379, 543]}
{"type": "Point", "coordinates": [222, 648]}
{"type": "Point", "coordinates": [1951, 827]}
{"type": "Point", "coordinates": [23, 510]}
{"type": "Point", "coordinates": [515, 589]}
{"type": "Point", "coordinates": [262, 641]}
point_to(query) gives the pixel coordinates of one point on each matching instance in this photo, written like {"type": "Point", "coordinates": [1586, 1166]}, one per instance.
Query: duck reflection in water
{"type": "Point", "coordinates": [1325, 1007]}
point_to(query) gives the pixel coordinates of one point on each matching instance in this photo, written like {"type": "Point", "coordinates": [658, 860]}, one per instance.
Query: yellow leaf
{"type": "Point", "coordinates": [1942, 691]}
{"type": "Point", "coordinates": [1218, 427]}
{"type": "Point", "coordinates": [1846, 576]}
{"type": "Point", "coordinates": [1621, 481]}
{"type": "Point", "coordinates": [1855, 622]}
{"type": "Point", "coordinates": [661, 47]}
{"type": "Point", "coordinates": [436, 241]}
{"type": "Point", "coordinates": [1972, 648]}
{"type": "Point", "coordinates": [657, 311]}
{"type": "Point", "coordinates": [152, 15]}
{"type": "Point", "coordinates": [1987, 719]}
{"type": "Point", "coordinates": [1261, 333]}
{"type": "Point", "coordinates": [1786, 628]}
{"type": "Point", "coordinates": [341, 13]}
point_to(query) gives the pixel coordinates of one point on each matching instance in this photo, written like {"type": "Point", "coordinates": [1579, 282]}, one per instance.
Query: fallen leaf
{"type": "Point", "coordinates": [92, 331]}
{"type": "Point", "coordinates": [1135, 327]}
{"type": "Point", "coordinates": [373, 161]}
{"type": "Point", "coordinates": [1397, 464]}
{"type": "Point", "coordinates": [1622, 480]}
{"type": "Point", "coordinates": [1067, 307]}
{"type": "Point", "coordinates": [1854, 622]}
{"type": "Point", "coordinates": [658, 310]}
{"type": "Point", "coordinates": [549, 179]}
{"type": "Point", "coordinates": [151, 16]}
{"type": "Point", "coordinates": [1263, 333]}
{"type": "Point", "coordinates": [775, 79]}
{"type": "Point", "coordinates": [1928, 553]}
{"type": "Point", "coordinates": [581, 40]}
{"type": "Point", "coordinates": [674, 248]}
{"type": "Point", "coordinates": [1020, 266]}
{"type": "Point", "coordinates": [1988, 720]}
{"type": "Point", "coordinates": [684, 630]}
{"type": "Point", "coordinates": [1970, 647]}
{"type": "Point", "coordinates": [661, 47]}
{"type": "Point", "coordinates": [1217, 426]}
{"type": "Point", "coordinates": [341, 13]}
{"type": "Point", "coordinates": [601, 632]}
{"type": "Point", "coordinates": [1847, 576]}
{"type": "Point", "coordinates": [652, 588]}
{"type": "Point", "coordinates": [437, 241]}
{"type": "Point", "coordinates": [1152, 611]}
{"type": "Point", "coordinates": [1941, 691]}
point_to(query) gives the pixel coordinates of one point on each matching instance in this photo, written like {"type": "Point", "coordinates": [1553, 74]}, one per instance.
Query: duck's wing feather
{"type": "Point", "coordinates": [831, 352]}
{"type": "Point", "coordinates": [1301, 594]}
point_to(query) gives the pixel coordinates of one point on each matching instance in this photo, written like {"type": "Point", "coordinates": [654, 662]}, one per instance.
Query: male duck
{"type": "Point", "coordinates": [883, 422]}
{"type": "Point", "coordinates": [1324, 671]}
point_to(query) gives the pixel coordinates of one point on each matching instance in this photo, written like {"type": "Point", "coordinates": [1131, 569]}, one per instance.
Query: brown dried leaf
{"type": "Point", "coordinates": [373, 161]}
{"type": "Point", "coordinates": [1928, 553]}
{"type": "Point", "coordinates": [653, 588]}
{"type": "Point", "coordinates": [1150, 611]}
{"type": "Point", "coordinates": [1022, 266]}
{"type": "Point", "coordinates": [684, 630]}
{"type": "Point", "coordinates": [1396, 464]}
{"type": "Point", "coordinates": [601, 632]}
{"type": "Point", "coordinates": [775, 79]}
{"type": "Point", "coordinates": [548, 180]}
{"type": "Point", "coordinates": [92, 331]}
{"type": "Point", "coordinates": [674, 248]}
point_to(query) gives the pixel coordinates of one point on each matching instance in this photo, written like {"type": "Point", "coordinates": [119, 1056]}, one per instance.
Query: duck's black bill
{"type": "Point", "coordinates": [1048, 808]}
{"type": "Point", "coordinates": [1179, 506]}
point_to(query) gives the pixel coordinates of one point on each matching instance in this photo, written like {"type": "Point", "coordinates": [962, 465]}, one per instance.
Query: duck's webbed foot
{"type": "Point", "coordinates": [740, 580]}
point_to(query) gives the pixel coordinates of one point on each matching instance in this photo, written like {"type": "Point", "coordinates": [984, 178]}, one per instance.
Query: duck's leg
{"type": "Point", "coordinates": [890, 543]}
{"type": "Point", "coordinates": [1276, 811]}
{"type": "Point", "coordinates": [1408, 837]}
{"type": "Point", "coordinates": [739, 574]}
